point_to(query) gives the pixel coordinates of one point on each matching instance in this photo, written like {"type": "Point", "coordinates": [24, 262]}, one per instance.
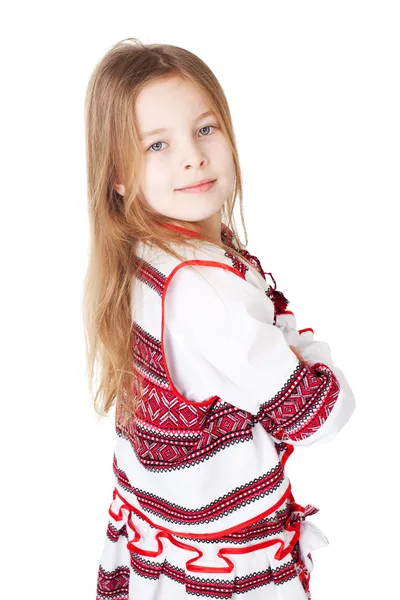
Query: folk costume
{"type": "Point", "coordinates": [202, 506]}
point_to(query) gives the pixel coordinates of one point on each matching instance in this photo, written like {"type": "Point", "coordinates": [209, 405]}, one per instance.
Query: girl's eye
{"type": "Point", "coordinates": [207, 127]}
{"type": "Point", "coordinates": [156, 143]}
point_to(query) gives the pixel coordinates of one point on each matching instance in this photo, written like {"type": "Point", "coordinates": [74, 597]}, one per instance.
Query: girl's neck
{"type": "Point", "coordinates": [211, 227]}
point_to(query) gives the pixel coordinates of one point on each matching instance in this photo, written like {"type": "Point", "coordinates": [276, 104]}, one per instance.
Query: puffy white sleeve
{"type": "Point", "coordinates": [318, 351]}
{"type": "Point", "coordinates": [311, 349]}
{"type": "Point", "coordinates": [219, 340]}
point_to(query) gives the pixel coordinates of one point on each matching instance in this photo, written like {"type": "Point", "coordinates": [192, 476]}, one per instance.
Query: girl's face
{"type": "Point", "coordinates": [190, 147]}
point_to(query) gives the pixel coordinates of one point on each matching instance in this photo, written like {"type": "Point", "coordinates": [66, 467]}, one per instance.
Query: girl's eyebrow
{"type": "Point", "coordinates": [160, 130]}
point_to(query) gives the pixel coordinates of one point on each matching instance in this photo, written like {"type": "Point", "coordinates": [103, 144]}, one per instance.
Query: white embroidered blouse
{"type": "Point", "coordinates": [219, 340]}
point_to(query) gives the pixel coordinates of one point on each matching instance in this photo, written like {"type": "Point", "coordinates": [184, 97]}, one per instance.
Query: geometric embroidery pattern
{"type": "Point", "coordinates": [207, 587]}
{"type": "Point", "coordinates": [301, 407]}
{"type": "Point", "coordinates": [149, 275]}
{"type": "Point", "coordinates": [168, 433]}
{"type": "Point", "coordinates": [229, 503]}
{"type": "Point", "coordinates": [290, 522]}
{"type": "Point", "coordinates": [113, 585]}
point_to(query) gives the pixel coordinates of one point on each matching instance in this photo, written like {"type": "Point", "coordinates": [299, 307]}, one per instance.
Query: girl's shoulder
{"type": "Point", "coordinates": [200, 256]}
{"type": "Point", "coordinates": [201, 252]}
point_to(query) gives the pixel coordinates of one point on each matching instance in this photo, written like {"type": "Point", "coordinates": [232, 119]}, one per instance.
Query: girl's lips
{"type": "Point", "coordinates": [204, 187]}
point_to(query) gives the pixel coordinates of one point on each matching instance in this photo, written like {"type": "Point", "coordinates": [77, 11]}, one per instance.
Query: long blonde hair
{"type": "Point", "coordinates": [117, 223]}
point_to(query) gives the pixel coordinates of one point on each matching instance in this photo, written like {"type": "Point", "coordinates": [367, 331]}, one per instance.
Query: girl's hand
{"type": "Point", "coordinates": [299, 355]}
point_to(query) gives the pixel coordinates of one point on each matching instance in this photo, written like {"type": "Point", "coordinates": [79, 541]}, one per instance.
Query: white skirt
{"type": "Point", "coordinates": [268, 560]}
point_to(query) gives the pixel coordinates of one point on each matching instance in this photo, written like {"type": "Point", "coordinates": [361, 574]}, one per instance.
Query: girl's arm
{"type": "Point", "coordinates": [222, 325]}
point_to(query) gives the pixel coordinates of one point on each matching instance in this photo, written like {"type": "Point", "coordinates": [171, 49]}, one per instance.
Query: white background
{"type": "Point", "coordinates": [314, 93]}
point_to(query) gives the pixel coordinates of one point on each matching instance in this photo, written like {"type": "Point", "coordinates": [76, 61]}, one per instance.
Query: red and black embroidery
{"type": "Point", "coordinates": [214, 587]}
{"type": "Point", "coordinates": [242, 268]}
{"type": "Point", "coordinates": [148, 360]}
{"type": "Point", "coordinates": [288, 521]}
{"type": "Point", "coordinates": [278, 298]}
{"type": "Point", "coordinates": [150, 569]}
{"type": "Point", "coordinates": [301, 569]}
{"type": "Point", "coordinates": [227, 504]}
{"type": "Point", "coordinates": [113, 585]}
{"type": "Point", "coordinates": [113, 534]}
{"type": "Point", "coordinates": [302, 406]}
{"type": "Point", "coordinates": [149, 275]}
{"type": "Point", "coordinates": [170, 433]}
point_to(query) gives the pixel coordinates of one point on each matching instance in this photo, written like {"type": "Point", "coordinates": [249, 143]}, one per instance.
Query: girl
{"type": "Point", "coordinates": [213, 384]}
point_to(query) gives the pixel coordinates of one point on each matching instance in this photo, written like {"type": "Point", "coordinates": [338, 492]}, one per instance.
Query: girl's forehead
{"type": "Point", "coordinates": [163, 103]}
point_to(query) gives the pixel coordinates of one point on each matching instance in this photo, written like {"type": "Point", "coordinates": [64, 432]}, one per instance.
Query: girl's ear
{"type": "Point", "coordinates": [120, 188]}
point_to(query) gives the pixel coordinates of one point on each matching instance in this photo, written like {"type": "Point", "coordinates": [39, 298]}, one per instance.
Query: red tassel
{"type": "Point", "coordinates": [279, 300]}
